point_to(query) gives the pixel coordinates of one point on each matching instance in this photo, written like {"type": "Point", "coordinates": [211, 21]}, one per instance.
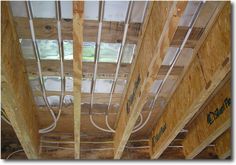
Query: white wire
{"type": "Point", "coordinates": [14, 153]}
{"type": "Point", "coordinates": [38, 63]}
{"type": "Point", "coordinates": [107, 124]}
{"type": "Point", "coordinates": [145, 122]}
{"type": "Point", "coordinates": [97, 50]}
{"type": "Point", "coordinates": [61, 53]}
{"type": "Point", "coordinates": [121, 50]}
{"type": "Point", "coordinates": [57, 147]}
{"type": "Point", "coordinates": [140, 122]}
{"type": "Point", "coordinates": [57, 142]}
{"type": "Point", "coordinates": [117, 69]}
{"type": "Point", "coordinates": [138, 147]}
{"type": "Point", "coordinates": [95, 125]}
{"type": "Point", "coordinates": [55, 119]}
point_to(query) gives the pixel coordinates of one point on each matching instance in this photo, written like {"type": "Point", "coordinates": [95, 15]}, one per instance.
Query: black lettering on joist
{"type": "Point", "coordinates": [158, 135]}
{"type": "Point", "coordinates": [212, 116]}
{"type": "Point", "coordinates": [132, 96]}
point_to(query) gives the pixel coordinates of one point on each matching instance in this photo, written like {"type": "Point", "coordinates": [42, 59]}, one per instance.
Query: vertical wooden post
{"type": "Point", "coordinates": [78, 14]}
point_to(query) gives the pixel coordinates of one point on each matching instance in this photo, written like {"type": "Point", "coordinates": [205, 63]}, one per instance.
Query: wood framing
{"type": "Point", "coordinates": [111, 33]}
{"type": "Point", "coordinates": [213, 120]}
{"type": "Point", "coordinates": [78, 20]}
{"type": "Point", "coordinates": [46, 29]}
{"type": "Point", "coordinates": [223, 145]}
{"type": "Point", "coordinates": [207, 70]}
{"type": "Point", "coordinates": [105, 70]}
{"type": "Point", "coordinates": [17, 99]}
{"type": "Point", "coordinates": [156, 39]}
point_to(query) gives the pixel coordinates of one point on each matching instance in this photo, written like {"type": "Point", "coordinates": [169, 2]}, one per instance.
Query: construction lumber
{"type": "Point", "coordinates": [17, 99]}
{"type": "Point", "coordinates": [208, 153]}
{"type": "Point", "coordinates": [207, 70]}
{"type": "Point", "coordinates": [45, 28]}
{"type": "Point", "coordinates": [78, 20]}
{"type": "Point", "coordinates": [105, 70]}
{"type": "Point", "coordinates": [154, 42]}
{"type": "Point", "coordinates": [212, 121]}
{"type": "Point", "coordinates": [52, 67]}
{"type": "Point", "coordinates": [223, 145]}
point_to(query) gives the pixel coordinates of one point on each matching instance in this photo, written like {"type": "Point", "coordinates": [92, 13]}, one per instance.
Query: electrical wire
{"type": "Point", "coordinates": [36, 51]}
{"type": "Point", "coordinates": [140, 121]}
{"type": "Point", "coordinates": [57, 147]}
{"type": "Point", "coordinates": [14, 153]}
{"type": "Point", "coordinates": [145, 122]}
{"type": "Point", "coordinates": [138, 147]}
{"type": "Point", "coordinates": [37, 56]}
{"type": "Point", "coordinates": [97, 50]}
{"type": "Point", "coordinates": [56, 142]}
{"type": "Point", "coordinates": [101, 14]}
{"type": "Point", "coordinates": [110, 129]}
{"type": "Point", "coordinates": [98, 127]}
{"type": "Point", "coordinates": [127, 20]}
{"type": "Point", "coordinates": [107, 124]}
{"type": "Point", "coordinates": [61, 53]}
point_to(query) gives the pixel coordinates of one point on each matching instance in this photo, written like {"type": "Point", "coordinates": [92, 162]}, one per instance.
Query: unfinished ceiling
{"type": "Point", "coordinates": [115, 73]}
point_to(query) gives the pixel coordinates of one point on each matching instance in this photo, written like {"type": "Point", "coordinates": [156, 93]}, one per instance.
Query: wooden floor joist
{"type": "Point", "coordinates": [205, 73]}
{"type": "Point", "coordinates": [46, 29]}
{"type": "Point", "coordinates": [78, 18]}
{"type": "Point", "coordinates": [223, 145]}
{"type": "Point", "coordinates": [152, 114]}
{"type": "Point", "coordinates": [17, 99]}
{"type": "Point", "coordinates": [212, 121]}
{"type": "Point", "coordinates": [52, 67]}
{"type": "Point", "coordinates": [112, 31]}
{"type": "Point", "coordinates": [105, 70]}
{"type": "Point", "coordinates": [157, 37]}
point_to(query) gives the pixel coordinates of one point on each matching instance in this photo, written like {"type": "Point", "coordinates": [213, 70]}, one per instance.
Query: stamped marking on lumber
{"type": "Point", "coordinates": [212, 116]}
{"type": "Point", "coordinates": [159, 134]}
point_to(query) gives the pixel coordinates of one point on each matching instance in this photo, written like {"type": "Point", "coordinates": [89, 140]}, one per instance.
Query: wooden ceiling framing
{"type": "Point", "coordinates": [191, 118]}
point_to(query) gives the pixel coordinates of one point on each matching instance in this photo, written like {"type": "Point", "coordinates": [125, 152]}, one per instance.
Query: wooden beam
{"type": "Point", "coordinates": [213, 120]}
{"type": "Point", "coordinates": [52, 68]}
{"type": "Point", "coordinates": [208, 153]}
{"type": "Point", "coordinates": [46, 29]}
{"type": "Point", "coordinates": [78, 22]}
{"type": "Point", "coordinates": [223, 145]}
{"type": "Point", "coordinates": [99, 98]}
{"type": "Point", "coordinates": [150, 53]}
{"type": "Point", "coordinates": [205, 73]}
{"type": "Point", "coordinates": [193, 37]}
{"type": "Point", "coordinates": [112, 31]}
{"type": "Point", "coordinates": [17, 98]}
{"type": "Point", "coordinates": [105, 70]}
{"type": "Point", "coordinates": [172, 153]}
{"type": "Point", "coordinates": [99, 109]}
